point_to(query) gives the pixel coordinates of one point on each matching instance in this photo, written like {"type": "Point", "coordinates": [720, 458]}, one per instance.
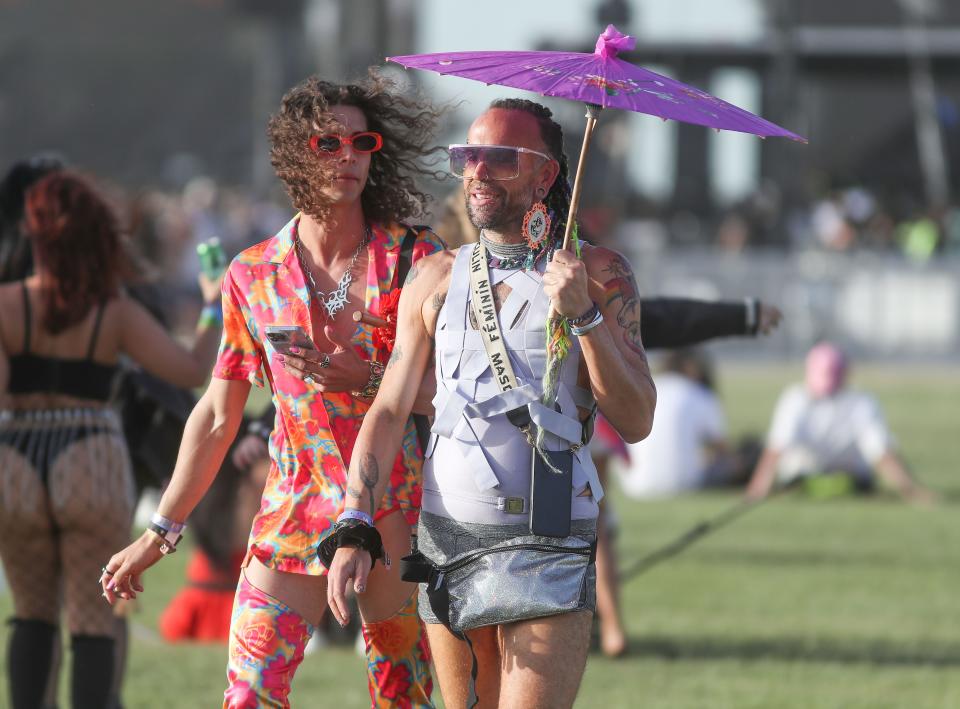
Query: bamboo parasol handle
{"type": "Point", "coordinates": [593, 113]}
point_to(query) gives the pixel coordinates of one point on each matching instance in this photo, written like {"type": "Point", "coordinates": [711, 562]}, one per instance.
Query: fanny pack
{"type": "Point", "coordinates": [522, 578]}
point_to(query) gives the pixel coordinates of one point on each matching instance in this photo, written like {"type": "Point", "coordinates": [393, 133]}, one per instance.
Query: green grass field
{"type": "Point", "coordinates": [847, 602]}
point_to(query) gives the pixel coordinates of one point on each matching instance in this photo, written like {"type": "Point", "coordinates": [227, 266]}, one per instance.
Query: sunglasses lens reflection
{"type": "Point", "coordinates": [365, 143]}
{"type": "Point", "coordinates": [500, 163]}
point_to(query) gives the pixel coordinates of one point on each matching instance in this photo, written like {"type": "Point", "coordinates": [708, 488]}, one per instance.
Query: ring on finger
{"type": "Point", "coordinates": [309, 380]}
{"type": "Point", "coordinates": [325, 362]}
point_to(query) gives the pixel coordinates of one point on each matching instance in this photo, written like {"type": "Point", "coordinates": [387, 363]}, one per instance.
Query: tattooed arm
{"type": "Point", "coordinates": [423, 404]}
{"type": "Point", "coordinates": [613, 353]}
{"type": "Point", "coordinates": [380, 435]}
{"type": "Point", "coordinates": [379, 439]}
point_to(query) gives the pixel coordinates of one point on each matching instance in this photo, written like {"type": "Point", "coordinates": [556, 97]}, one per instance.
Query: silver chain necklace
{"type": "Point", "coordinates": [336, 300]}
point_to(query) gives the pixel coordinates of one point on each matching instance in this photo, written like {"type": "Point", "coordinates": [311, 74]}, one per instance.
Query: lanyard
{"type": "Point", "coordinates": [488, 324]}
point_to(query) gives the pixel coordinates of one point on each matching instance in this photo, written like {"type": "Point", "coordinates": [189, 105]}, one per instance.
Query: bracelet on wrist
{"type": "Point", "coordinates": [373, 383]}
{"type": "Point", "coordinates": [210, 315]}
{"type": "Point", "coordinates": [352, 533]}
{"type": "Point", "coordinates": [587, 317]}
{"type": "Point", "coordinates": [167, 524]}
{"type": "Point", "coordinates": [584, 329]}
{"type": "Point", "coordinates": [167, 541]}
{"type": "Point", "coordinates": [355, 514]}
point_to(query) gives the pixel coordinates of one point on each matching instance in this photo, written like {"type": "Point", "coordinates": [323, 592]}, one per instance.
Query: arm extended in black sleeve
{"type": "Point", "coordinates": [682, 322]}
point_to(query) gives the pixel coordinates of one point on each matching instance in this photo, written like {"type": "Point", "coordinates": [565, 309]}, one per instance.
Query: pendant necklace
{"type": "Point", "coordinates": [334, 301]}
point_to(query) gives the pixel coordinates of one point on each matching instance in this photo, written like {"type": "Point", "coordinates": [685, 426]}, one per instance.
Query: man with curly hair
{"type": "Point", "coordinates": [348, 156]}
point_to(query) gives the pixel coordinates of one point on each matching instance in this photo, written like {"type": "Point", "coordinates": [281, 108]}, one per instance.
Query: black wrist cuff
{"type": "Point", "coordinates": [351, 533]}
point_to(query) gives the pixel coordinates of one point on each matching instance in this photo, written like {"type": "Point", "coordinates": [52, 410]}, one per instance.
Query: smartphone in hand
{"type": "Point", "coordinates": [283, 337]}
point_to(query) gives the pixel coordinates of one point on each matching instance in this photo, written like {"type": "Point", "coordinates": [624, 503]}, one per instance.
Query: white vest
{"type": "Point", "coordinates": [477, 466]}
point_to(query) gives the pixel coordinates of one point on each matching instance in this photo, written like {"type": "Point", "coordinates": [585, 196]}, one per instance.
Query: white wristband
{"type": "Point", "coordinates": [166, 523]}
{"type": "Point", "coordinates": [356, 514]}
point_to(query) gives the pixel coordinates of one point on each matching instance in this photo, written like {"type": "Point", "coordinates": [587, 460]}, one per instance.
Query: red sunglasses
{"type": "Point", "coordinates": [365, 142]}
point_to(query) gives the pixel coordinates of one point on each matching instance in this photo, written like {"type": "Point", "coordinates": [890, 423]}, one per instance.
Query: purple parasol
{"type": "Point", "coordinates": [600, 80]}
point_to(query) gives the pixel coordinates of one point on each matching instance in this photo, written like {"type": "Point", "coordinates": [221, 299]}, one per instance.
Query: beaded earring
{"type": "Point", "coordinates": [536, 225]}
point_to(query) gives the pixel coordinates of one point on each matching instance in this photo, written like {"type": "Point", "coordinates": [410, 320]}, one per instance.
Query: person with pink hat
{"type": "Point", "coordinates": [822, 427]}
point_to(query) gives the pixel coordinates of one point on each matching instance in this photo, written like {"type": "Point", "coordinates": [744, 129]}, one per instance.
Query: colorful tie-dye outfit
{"type": "Point", "coordinates": [313, 432]}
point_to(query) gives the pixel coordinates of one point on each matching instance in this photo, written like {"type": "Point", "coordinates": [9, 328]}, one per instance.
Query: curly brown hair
{"type": "Point", "coordinates": [76, 238]}
{"type": "Point", "coordinates": [406, 124]}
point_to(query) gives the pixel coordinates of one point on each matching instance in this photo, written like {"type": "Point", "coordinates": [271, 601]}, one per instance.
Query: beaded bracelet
{"type": "Point", "coordinates": [373, 384]}
{"type": "Point", "coordinates": [586, 318]}
{"type": "Point", "coordinates": [583, 330]}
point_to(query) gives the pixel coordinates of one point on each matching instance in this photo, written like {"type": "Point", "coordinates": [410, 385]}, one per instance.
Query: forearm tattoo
{"type": "Point", "coordinates": [438, 300]}
{"type": "Point", "coordinates": [354, 492]}
{"type": "Point", "coordinates": [395, 356]}
{"type": "Point", "coordinates": [412, 273]}
{"type": "Point", "coordinates": [621, 292]}
{"type": "Point", "coordinates": [370, 475]}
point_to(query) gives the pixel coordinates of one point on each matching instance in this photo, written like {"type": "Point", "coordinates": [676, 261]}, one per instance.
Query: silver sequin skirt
{"type": "Point", "coordinates": [507, 586]}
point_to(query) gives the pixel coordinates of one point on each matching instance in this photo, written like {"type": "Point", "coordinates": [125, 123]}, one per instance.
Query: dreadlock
{"type": "Point", "coordinates": [557, 200]}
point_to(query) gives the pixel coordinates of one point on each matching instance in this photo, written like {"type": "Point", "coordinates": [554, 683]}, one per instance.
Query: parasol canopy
{"type": "Point", "coordinates": [601, 79]}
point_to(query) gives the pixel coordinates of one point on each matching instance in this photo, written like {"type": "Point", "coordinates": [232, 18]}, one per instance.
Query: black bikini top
{"type": "Point", "coordinates": [81, 378]}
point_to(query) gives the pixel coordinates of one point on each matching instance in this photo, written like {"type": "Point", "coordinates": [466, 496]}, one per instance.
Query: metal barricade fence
{"type": "Point", "coordinates": [878, 306]}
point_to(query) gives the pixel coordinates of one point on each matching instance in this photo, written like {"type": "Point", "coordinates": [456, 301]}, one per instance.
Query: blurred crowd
{"type": "Point", "coordinates": [849, 220]}
{"type": "Point", "coordinates": [166, 224]}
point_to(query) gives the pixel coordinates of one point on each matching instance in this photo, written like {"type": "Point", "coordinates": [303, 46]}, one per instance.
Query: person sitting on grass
{"type": "Point", "coordinates": [822, 427]}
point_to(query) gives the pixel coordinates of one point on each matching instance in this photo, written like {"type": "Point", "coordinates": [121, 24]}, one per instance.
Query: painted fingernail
{"type": "Point", "coordinates": [295, 350]}
{"type": "Point", "coordinates": [110, 585]}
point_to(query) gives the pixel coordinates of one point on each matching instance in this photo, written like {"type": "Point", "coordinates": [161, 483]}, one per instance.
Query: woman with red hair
{"type": "Point", "coordinates": [66, 490]}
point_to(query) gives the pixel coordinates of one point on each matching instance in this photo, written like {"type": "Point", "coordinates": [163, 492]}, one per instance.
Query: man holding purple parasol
{"type": "Point", "coordinates": [530, 340]}
{"type": "Point", "coordinates": [509, 570]}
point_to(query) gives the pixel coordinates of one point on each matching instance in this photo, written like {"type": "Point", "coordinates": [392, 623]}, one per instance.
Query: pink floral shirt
{"type": "Point", "coordinates": [314, 432]}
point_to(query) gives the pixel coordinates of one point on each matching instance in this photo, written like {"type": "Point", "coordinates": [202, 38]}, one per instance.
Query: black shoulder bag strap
{"type": "Point", "coordinates": [403, 267]}
{"type": "Point", "coordinates": [416, 568]}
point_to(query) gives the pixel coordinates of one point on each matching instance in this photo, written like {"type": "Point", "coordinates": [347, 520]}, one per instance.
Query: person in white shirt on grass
{"type": "Point", "coordinates": [687, 448]}
{"type": "Point", "coordinates": [821, 427]}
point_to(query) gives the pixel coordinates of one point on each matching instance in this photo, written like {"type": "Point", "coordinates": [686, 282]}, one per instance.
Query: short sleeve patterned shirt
{"type": "Point", "coordinates": [314, 432]}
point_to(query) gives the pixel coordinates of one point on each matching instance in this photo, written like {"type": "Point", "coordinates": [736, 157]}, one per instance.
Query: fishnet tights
{"type": "Point", "coordinates": [55, 539]}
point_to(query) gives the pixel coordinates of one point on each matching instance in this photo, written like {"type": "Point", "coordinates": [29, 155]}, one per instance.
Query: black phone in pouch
{"type": "Point", "coordinates": [551, 494]}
